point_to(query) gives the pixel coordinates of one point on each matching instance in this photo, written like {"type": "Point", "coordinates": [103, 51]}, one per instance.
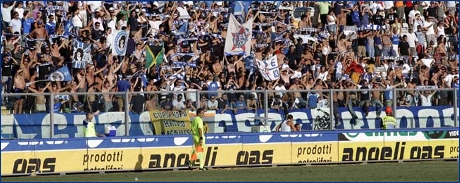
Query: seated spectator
{"type": "Point", "coordinates": [240, 104]}
{"type": "Point", "coordinates": [223, 103]}
{"type": "Point", "coordinates": [167, 104]}
{"type": "Point", "coordinates": [179, 103]}
{"type": "Point", "coordinates": [212, 103]}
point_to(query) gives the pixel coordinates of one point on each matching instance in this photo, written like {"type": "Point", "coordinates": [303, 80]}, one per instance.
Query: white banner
{"type": "Point", "coordinates": [269, 68]}
{"type": "Point", "coordinates": [238, 40]}
{"type": "Point", "coordinates": [120, 42]}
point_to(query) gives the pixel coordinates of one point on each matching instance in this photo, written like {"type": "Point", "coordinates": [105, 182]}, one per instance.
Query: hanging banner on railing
{"type": "Point", "coordinates": [70, 125]}
{"type": "Point", "coordinates": [171, 122]}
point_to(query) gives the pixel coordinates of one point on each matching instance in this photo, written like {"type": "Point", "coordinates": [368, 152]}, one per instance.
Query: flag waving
{"type": "Point", "coordinates": [154, 55]}
{"type": "Point", "coordinates": [120, 42]}
{"type": "Point", "coordinates": [61, 74]}
{"type": "Point", "coordinates": [238, 40]}
{"type": "Point", "coordinates": [81, 55]}
{"type": "Point", "coordinates": [269, 68]}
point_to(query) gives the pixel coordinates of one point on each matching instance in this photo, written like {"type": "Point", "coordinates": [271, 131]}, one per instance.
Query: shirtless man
{"type": "Point", "coordinates": [152, 103]}
{"type": "Point", "coordinates": [20, 85]}
{"type": "Point", "coordinates": [217, 67]}
{"type": "Point", "coordinates": [298, 85]}
{"type": "Point", "coordinates": [40, 100]}
{"type": "Point", "coordinates": [39, 32]}
{"type": "Point", "coordinates": [286, 75]}
{"type": "Point", "coordinates": [375, 100]}
{"type": "Point", "coordinates": [107, 97]}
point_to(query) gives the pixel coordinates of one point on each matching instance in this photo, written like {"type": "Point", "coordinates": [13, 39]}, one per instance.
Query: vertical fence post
{"type": "Point", "coordinates": [455, 107]}
{"type": "Point", "coordinates": [126, 113]}
{"type": "Point", "coordinates": [266, 107]}
{"type": "Point", "coordinates": [198, 98]}
{"type": "Point", "coordinates": [331, 109]}
{"type": "Point", "coordinates": [51, 107]}
{"type": "Point", "coordinates": [395, 105]}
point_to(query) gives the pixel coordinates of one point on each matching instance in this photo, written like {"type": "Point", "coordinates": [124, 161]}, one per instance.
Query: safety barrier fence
{"type": "Point", "coordinates": [76, 155]}
{"type": "Point", "coordinates": [133, 119]}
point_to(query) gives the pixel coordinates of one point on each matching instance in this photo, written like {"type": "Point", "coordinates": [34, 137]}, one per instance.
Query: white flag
{"type": "Point", "coordinates": [269, 68]}
{"type": "Point", "coordinates": [120, 42]}
{"type": "Point", "coordinates": [238, 40]}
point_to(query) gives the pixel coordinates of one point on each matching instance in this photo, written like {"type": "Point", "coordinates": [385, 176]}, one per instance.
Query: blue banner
{"type": "Point", "coordinates": [69, 125]}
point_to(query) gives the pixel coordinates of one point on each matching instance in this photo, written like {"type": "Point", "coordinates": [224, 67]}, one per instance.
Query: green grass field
{"type": "Point", "coordinates": [430, 171]}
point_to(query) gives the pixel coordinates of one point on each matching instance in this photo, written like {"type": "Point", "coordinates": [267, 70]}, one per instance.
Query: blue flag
{"type": "Point", "coordinates": [61, 74]}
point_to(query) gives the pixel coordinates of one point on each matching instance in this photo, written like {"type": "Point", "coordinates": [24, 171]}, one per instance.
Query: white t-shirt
{"type": "Point", "coordinates": [16, 25]}
{"type": "Point", "coordinates": [426, 100]}
{"type": "Point", "coordinates": [280, 88]}
{"type": "Point", "coordinates": [412, 13]}
{"type": "Point", "coordinates": [388, 4]}
{"type": "Point", "coordinates": [178, 104]}
{"type": "Point", "coordinates": [20, 11]}
{"type": "Point", "coordinates": [76, 21]}
{"type": "Point", "coordinates": [411, 38]}
{"type": "Point", "coordinates": [430, 30]}
{"type": "Point", "coordinates": [322, 76]}
{"type": "Point", "coordinates": [6, 15]}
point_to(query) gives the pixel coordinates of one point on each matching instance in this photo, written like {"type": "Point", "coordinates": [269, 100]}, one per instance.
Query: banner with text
{"type": "Point", "coordinates": [21, 157]}
{"type": "Point", "coordinates": [171, 122]}
{"type": "Point", "coordinates": [70, 125]}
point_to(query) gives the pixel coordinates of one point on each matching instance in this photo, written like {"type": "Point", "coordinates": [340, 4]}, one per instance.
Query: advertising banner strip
{"type": "Point", "coordinates": [224, 155]}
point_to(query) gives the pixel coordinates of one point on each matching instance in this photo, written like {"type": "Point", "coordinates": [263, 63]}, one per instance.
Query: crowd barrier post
{"type": "Point", "coordinates": [51, 108]}
{"type": "Point", "coordinates": [394, 102]}
{"type": "Point", "coordinates": [126, 113]}
{"type": "Point", "coordinates": [266, 107]}
{"type": "Point", "coordinates": [455, 106]}
{"type": "Point", "coordinates": [331, 108]}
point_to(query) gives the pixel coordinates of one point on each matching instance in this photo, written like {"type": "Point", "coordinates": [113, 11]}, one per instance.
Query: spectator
{"type": "Point", "coordinates": [179, 103]}
{"type": "Point", "coordinates": [212, 103]}
{"type": "Point", "coordinates": [39, 41]}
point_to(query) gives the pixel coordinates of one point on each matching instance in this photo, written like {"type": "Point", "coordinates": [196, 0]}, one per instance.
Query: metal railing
{"type": "Point", "coordinates": [263, 100]}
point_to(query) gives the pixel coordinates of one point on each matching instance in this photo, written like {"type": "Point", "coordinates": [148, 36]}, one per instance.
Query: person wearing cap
{"type": "Point", "coordinates": [388, 121]}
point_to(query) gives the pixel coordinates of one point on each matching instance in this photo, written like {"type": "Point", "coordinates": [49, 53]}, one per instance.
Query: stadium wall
{"type": "Point", "coordinates": [73, 155]}
{"type": "Point", "coordinates": [69, 125]}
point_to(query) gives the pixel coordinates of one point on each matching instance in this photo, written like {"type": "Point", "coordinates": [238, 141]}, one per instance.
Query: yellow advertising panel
{"type": "Point", "coordinates": [170, 122]}
{"type": "Point", "coordinates": [397, 150]}
{"type": "Point", "coordinates": [260, 154]}
{"type": "Point", "coordinates": [42, 161]}
{"type": "Point", "coordinates": [314, 152]}
{"type": "Point", "coordinates": [176, 157]}
{"type": "Point", "coordinates": [120, 159]}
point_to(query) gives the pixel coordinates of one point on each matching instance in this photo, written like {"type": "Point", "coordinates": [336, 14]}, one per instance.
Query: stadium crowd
{"type": "Point", "coordinates": [318, 45]}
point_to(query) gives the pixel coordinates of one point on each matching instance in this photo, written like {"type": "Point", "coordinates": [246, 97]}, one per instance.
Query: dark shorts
{"type": "Point", "coordinates": [19, 97]}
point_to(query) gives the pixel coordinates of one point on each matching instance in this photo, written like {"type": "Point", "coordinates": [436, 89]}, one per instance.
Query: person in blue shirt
{"type": "Point", "coordinates": [58, 103]}
{"type": "Point", "coordinates": [123, 86]}
{"type": "Point", "coordinates": [27, 25]}
{"type": "Point", "coordinates": [51, 25]}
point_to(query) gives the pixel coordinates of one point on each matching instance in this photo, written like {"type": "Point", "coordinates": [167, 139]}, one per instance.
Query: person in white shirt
{"type": "Point", "coordinates": [412, 14]}
{"type": "Point", "coordinates": [6, 13]}
{"type": "Point", "coordinates": [280, 87]}
{"type": "Point", "coordinates": [287, 125]}
{"type": "Point", "coordinates": [20, 10]}
{"type": "Point", "coordinates": [430, 34]}
{"type": "Point", "coordinates": [426, 97]}
{"type": "Point", "coordinates": [412, 40]}
{"type": "Point", "coordinates": [16, 23]}
{"type": "Point", "coordinates": [179, 103]}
